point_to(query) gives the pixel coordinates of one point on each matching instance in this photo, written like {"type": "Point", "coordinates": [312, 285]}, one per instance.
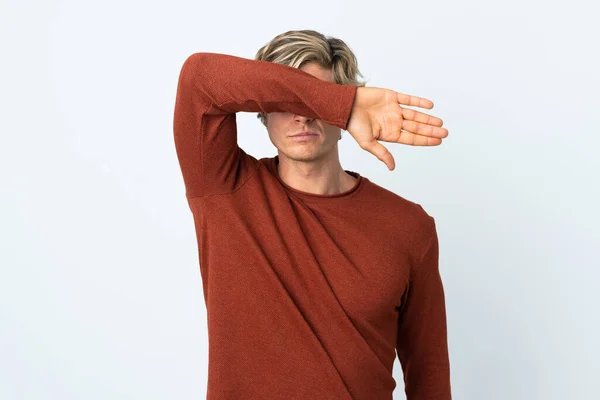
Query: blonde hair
{"type": "Point", "coordinates": [297, 47]}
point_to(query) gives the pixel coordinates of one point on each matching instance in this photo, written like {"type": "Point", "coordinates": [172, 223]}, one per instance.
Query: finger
{"type": "Point", "coordinates": [413, 139]}
{"type": "Point", "coordinates": [409, 100]}
{"type": "Point", "coordinates": [424, 129]}
{"type": "Point", "coordinates": [407, 113]}
{"type": "Point", "coordinates": [379, 151]}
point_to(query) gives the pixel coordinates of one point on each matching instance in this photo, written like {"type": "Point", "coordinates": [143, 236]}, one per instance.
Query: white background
{"type": "Point", "coordinates": [100, 290]}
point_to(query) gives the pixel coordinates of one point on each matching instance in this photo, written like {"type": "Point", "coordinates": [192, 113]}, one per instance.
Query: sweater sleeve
{"type": "Point", "coordinates": [213, 87]}
{"type": "Point", "coordinates": [422, 343]}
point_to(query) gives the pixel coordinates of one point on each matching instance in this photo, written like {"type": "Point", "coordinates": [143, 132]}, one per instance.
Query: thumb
{"type": "Point", "coordinates": [379, 151]}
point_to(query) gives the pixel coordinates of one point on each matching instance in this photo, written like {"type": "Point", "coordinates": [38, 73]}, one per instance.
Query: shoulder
{"type": "Point", "coordinates": [410, 219]}
{"type": "Point", "coordinates": [410, 210]}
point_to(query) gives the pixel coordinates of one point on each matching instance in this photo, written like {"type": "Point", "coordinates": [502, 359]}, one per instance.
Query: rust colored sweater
{"type": "Point", "coordinates": [308, 296]}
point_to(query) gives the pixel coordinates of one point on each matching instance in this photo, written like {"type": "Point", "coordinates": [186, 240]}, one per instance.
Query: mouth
{"type": "Point", "coordinates": [305, 134]}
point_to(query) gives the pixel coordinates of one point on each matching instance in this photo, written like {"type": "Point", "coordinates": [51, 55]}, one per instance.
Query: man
{"type": "Point", "coordinates": [313, 276]}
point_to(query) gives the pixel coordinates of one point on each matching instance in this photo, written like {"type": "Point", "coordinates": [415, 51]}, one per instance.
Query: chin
{"type": "Point", "coordinates": [303, 154]}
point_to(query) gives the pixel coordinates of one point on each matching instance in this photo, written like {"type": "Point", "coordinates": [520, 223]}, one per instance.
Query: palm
{"type": "Point", "coordinates": [377, 115]}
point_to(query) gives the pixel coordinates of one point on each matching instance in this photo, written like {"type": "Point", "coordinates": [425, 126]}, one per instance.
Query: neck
{"type": "Point", "coordinates": [321, 177]}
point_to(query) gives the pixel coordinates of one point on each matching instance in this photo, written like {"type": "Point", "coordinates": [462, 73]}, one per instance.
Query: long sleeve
{"type": "Point", "coordinates": [422, 343]}
{"type": "Point", "coordinates": [212, 87]}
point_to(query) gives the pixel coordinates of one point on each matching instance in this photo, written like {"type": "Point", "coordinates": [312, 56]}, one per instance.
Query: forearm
{"type": "Point", "coordinates": [228, 84]}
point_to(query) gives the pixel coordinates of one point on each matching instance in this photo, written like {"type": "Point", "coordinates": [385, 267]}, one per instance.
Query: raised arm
{"type": "Point", "coordinates": [212, 87]}
{"type": "Point", "coordinates": [422, 343]}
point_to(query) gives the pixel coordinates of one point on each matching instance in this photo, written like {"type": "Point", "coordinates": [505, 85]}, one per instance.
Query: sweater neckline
{"type": "Point", "coordinates": [360, 182]}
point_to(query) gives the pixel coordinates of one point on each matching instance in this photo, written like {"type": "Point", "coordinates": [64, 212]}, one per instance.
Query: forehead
{"type": "Point", "coordinates": [316, 70]}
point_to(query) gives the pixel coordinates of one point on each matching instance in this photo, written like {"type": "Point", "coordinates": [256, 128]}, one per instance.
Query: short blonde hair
{"type": "Point", "coordinates": [297, 47]}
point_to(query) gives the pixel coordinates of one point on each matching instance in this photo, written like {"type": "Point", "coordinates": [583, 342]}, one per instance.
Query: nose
{"type": "Point", "coordinates": [303, 119]}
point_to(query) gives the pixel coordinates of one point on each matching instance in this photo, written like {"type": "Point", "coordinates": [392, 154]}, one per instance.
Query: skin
{"type": "Point", "coordinates": [377, 115]}
{"type": "Point", "coordinates": [312, 166]}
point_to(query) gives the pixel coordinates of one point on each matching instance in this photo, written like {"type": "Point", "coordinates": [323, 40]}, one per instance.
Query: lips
{"type": "Point", "coordinates": [306, 133]}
